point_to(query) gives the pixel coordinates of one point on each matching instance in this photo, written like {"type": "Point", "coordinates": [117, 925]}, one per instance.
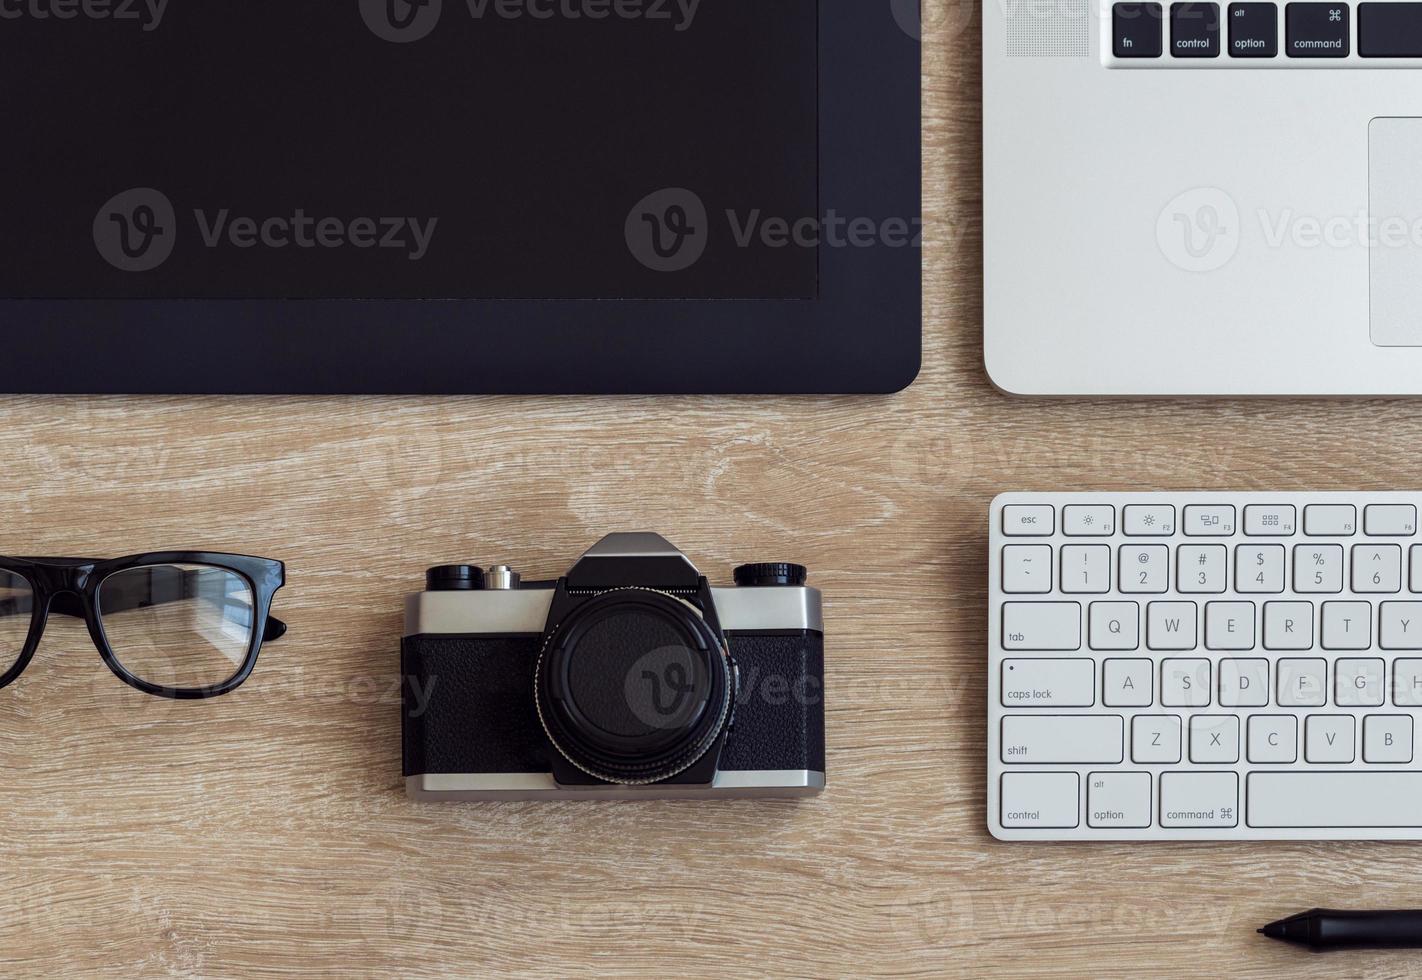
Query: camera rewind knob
{"type": "Point", "coordinates": [454, 578]}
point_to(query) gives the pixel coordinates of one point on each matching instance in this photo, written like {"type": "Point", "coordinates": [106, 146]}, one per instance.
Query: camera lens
{"type": "Point", "coordinates": [633, 686]}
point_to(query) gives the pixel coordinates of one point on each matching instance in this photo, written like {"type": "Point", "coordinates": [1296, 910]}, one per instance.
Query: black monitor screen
{"type": "Point", "coordinates": [440, 149]}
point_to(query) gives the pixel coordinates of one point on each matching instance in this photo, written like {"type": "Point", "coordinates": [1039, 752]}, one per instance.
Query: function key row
{"type": "Point", "coordinates": [1208, 520]}
{"type": "Point", "coordinates": [1312, 30]}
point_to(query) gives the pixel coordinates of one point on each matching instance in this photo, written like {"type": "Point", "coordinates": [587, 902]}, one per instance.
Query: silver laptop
{"type": "Point", "coordinates": [1203, 199]}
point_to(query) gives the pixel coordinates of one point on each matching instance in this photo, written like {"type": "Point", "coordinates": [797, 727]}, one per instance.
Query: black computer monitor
{"type": "Point", "coordinates": [459, 196]}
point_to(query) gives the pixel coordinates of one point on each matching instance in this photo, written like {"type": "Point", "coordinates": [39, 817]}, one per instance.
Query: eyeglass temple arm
{"type": "Point", "coordinates": [165, 585]}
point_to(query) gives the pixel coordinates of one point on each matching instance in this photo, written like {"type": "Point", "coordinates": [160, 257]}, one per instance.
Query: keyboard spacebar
{"type": "Point", "coordinates": [1390, 30]}
{"type": "Point", "coordinates": [1335, 799]}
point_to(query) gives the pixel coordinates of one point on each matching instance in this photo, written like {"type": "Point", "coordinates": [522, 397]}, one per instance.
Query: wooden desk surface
{"type": "Point", "coordinates": [268, 832]}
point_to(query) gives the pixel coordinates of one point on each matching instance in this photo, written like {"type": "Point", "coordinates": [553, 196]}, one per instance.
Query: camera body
{"type": "Point", "coordinates": [628, 678]}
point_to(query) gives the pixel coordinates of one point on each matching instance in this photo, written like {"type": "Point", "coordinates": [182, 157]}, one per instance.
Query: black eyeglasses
{"type": "Point", "coordinates": [178, 624]}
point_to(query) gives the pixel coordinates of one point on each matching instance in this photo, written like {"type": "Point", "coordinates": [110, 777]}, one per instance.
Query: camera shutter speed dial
{"type": "Point", "coordinates": [771, 573]}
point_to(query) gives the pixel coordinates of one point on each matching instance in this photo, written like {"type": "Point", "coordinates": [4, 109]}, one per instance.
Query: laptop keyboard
{"type": "Point", "coordinates": [1205, 666]}
{"type": "Point", "coordinates": [1256, 34]}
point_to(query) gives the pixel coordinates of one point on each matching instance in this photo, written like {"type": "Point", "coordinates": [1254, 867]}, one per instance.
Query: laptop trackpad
{"type": "Point", "coordinates": [1395, 230]}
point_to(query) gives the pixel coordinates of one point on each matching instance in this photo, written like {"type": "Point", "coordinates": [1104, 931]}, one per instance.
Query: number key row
{"type": "Point", "coordinates": [1028, 569]}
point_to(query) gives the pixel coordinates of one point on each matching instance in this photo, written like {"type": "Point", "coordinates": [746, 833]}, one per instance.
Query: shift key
{"type": "Point", "coordinates": [1041, 626]}
{"type": "Point", "coordinates": [1063, 739]}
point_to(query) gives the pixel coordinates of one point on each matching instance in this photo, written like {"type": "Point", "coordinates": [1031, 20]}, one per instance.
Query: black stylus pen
{"type": "Point", "coordinates": [1332, 929]}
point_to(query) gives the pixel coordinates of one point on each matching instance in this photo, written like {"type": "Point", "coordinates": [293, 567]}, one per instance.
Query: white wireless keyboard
{"type": "Point", "coordinates": [1205, 666]}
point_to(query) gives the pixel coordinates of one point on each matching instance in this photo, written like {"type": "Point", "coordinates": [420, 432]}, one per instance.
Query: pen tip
{"type": "Point", "coordinates": [1260, 931]}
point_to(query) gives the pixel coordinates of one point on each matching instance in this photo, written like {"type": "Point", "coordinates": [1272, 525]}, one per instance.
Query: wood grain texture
{"type": "Point", "coordinates": [267, 833]}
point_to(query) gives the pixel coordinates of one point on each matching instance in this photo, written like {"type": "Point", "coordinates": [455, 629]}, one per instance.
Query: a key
{"type": "Point", "coordinates": [1201, 568]}
{"type": "Point", "coordinates": [1137, 30]}
{"type": "Point", "coordinates": [1328, 739]}
{"type": "Point", "coordinates": [1089, 520]}
{"type": "Point", "coordinates": [1195, 30]}
{"type": "Point", "coordinates": [1130, 683]}
{"type": "Point", "coordinates": [1155, 738]}
{"type": "Point", "coordinates": [1377, 568]}
{"type": "Point", "coordinates": [1288, 625]}
{"type": "Point", "coordinates": [1359, 682]}
{"type": "Point", "coordinates": [1387, 739]}
{"type": "Point", "coordinates": [1086, 568]}
{"type": "Point", "coordinates": [1273, 739]}
{"type": "Point", "coordinates": [1149, 519]}
{"type": "Point", "coordinates": [1395, 520]}
{"type": "Point", "coordinates": [1303, 682]}
{"type": "Point", "coordinates": [1318, 568]}
{"type": "Point", "coordinates": [1115, 626]}
{"type": "Point", "coordinates": [1171, 625]}
{"type": "Point", "coordinates": [1184, 682]}
{"type": "Point", "coordinates": [1271, 520]}
{"type": "Point", "coordinates": [1118, 799]}
{"type": "Point", "coordinates": [1317, 30]}
{"type": "Point", "coordinates": [1259, 568]}
{"type": "Point", "coordinates": [1214, 739]}
{"type": "Point", "coordinates": [1335, 799]}
{"type": "Point", "coordinates": [1347, 625]}
{"type": "Point", "coordinates": [1043, 682]}
{"type": "Point", "coordinates": [1144, 567]}
{"type": "Point", "coordinates": [1244, 683]}
{"type": "Point", "coordinates": [1041, 800]}
{"type": "Point", "coordinates": [1216, 520]}
{"type": "Point", "coordinates": [1027, 568]}
{"type": "Point", "coordinates": [1330, 520]}
{"type": "Point", "coordinates": [1229, 625]}
{"type": "Point", "coordinates": [1029, 520]}
{"type": "Point", "coordinates": [1414, 566]}
{"type": "Point", "coordinates": [1041, 626]}
{"type": "Point", "coordinates": [1199, 799]}
{"type": "Point", "coordinates": [1062, 739]}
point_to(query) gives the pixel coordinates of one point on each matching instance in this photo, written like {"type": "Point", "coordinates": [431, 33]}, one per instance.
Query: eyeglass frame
{"type": "Point", "coordinates": [79, 579]}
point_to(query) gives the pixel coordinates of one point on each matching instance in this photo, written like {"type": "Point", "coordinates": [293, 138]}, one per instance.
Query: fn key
{"type": "Point", "coordinates": [1137, 30]}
